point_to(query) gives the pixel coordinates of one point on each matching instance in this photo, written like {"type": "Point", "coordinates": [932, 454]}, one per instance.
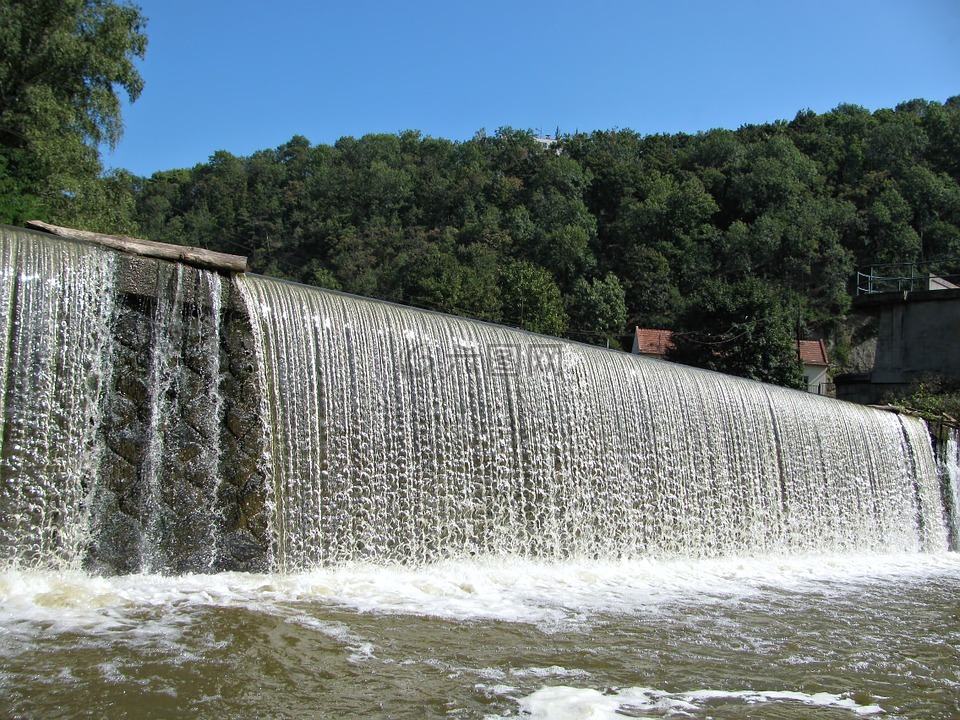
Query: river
{"type": "Point", "coordinates": [815, 637]}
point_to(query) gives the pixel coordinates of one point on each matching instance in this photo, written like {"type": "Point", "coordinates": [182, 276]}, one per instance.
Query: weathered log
{"type": "Point", "coordinates": [197, 257]}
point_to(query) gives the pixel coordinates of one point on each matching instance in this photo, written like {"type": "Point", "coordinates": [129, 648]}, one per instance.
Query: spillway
{"type": "Point", "coordinates": [400, 434]}
{"type": "Point", "coordinates": [164, 419]}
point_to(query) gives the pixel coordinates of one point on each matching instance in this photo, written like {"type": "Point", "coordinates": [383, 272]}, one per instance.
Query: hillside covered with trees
{"type": "Point", "coordinates": [599, 232]}
{"type": "Point", "coordinates": [750, 235]}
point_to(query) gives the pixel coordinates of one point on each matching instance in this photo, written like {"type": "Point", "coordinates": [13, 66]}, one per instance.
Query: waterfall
{"type": "Point", "coordinates": [949, 464]}
{"type": "Point", "coordinates": [55, 363]}
{"type": "Point", "coordinates": [156, 505]}
{"type": "Point", "coordinates": [110, 409]}
{"type": "Point", "coordinates": [183, 440]}
{"type": "Point", "coordinates": [396, 434]}
{"type": "Point", "coordinates": [156, 418]}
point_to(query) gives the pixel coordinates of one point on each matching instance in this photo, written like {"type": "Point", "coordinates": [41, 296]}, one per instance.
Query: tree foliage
{"type": "Point", "coordinates": [740, 329]}
{"type": "Point", "coordinates": [739, 240]}
{"type": "Point", "coordinates": [62, 65]}
{"type": "Point", "coordinates": [690, 232]}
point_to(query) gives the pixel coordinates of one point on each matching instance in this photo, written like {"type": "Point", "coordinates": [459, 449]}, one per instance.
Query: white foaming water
{"type": "Point", "coordinates": [548, 595]}
{"type": "Point", "coordinates": [398, 434]}
{"type": "Point", "coordinates": [55, 352]}
{"type": "Point", "coordinates": [568, 703]}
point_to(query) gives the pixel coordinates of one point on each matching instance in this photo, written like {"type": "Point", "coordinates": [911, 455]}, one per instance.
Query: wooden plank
{"type": "Point", "coordinates": [197, 257]}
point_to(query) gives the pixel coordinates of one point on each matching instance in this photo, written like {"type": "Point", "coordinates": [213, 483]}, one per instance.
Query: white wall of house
{"type": "Point", "coordinates": [815, 377]}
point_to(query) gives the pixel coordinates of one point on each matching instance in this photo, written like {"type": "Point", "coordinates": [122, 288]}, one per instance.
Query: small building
{"type": "Point", "coordinates": [548, 143]}
{"type": "Point", "coordinates": [544, 142]}
{"type": "Point", "coordinates": [816, 366]}
{"type": "Point", "coordinates": [654, 343]}
{"type": "Point", "coordinates": [651, 343]}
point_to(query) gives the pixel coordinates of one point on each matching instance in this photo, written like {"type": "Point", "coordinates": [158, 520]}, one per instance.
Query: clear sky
{"type": "Point", "coordinates": [245, 75]}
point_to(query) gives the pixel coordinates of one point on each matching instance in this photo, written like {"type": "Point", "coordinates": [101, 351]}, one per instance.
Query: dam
{"type": "Point", "coordinates": [223, 495]}
{"type": "Point", "coordinates": [160, 417]}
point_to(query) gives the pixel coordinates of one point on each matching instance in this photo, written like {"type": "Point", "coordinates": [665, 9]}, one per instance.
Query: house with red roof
{"type": "Point", "coordinates": [654, 343]}
{"type": "Point", "coordinates": [816, 366]}
{"type": "Point", "coordinates": [651, 343]}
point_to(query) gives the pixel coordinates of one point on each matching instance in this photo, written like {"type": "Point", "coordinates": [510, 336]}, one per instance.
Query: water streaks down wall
{"type": "Point", "coordinates": [130, 440]}
{"type": "Point", "coordinates": [163, 418]}
{"type": "Point", "coordinates": [399, 433]}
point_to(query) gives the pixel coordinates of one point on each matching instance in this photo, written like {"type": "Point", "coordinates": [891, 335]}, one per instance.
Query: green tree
{"type": "Point", "coordinates": [890, 237]}
{"type": "Point", "coordinates": [16, 204]}
{"type": "Point", "coordinates": [598, 311]}
{"type": "Point", "coordinates": [772, 174]}
{"type": "Point", "coordinates": [942, 126]}
{"type": "Point", "coordinates": [653, 298]}
{"type": "Point", "coordinates": [740, 329]}
{"type": "Point", "coordinates": [531, 299]}
{"type": "Point", "coordinates": [62, 63]}
{"type": "Point", "coordinates": [669, 217]}
{"type": "Point", "coordinates": [439, 275]}
{"type": "Point", "coordinates": [497, 228]}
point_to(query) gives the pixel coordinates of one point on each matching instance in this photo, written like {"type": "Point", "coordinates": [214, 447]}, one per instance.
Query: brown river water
{"type": "Point", "coordinates": [818, 637]}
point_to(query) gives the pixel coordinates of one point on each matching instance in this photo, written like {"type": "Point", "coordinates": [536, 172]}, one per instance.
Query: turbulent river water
{"type": "Point", "coordinates": [819, 637]}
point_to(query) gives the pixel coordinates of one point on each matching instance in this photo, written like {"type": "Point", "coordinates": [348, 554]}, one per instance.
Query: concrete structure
{"type": "Point", "coordinates": [918, 336]}
{"type": "Point", "coordinates": [655, 343]}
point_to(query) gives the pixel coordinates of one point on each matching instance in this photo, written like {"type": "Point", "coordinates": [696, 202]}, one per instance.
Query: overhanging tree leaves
{"type": "Point", "coordinates": [62, 65]}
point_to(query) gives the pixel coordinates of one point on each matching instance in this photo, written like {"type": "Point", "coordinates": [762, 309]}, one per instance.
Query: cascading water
{"type": "Point", "coordinates": [398, 434]}
{"type": "Point", "coordinates": [393, 434]}
{"type": "Point", "coordinates": [55, 352]}
{"type": "Point", "coordinates": [949, 464]}
{"type": "Point", "coordinates": [110, 410]}
{"type": "Point", "coordinates": [156, 422]}
{"type": "Point", "coordinates": [184, 426]}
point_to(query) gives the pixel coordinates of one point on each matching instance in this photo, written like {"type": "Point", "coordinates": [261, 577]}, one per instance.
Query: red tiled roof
{"type": "Point", "coordinates": [656, 342]}
{"type": "Point", "coordinates": [652, 342]}
{"type": "Point", "coordinates": [813, 352]}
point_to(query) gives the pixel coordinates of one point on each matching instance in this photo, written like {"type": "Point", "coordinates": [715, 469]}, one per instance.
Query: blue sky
{"type": "Point", "coordinates": [244, 75]}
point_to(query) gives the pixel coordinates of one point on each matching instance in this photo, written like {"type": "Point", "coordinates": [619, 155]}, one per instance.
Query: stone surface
{"type": "Point", "coordinates": [181, 487]}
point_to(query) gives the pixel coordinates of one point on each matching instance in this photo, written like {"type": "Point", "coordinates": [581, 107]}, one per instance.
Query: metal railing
{"type": "Point", "coordinates": [908, 277]}
{"type": "Point", "coordinates": [828, 389]}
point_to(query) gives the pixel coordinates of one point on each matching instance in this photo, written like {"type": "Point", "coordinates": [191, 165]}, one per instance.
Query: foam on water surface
{"type": "Point", "coordinates": [548, 595]}
{"type": "Point", "coordinates": [560, 702]}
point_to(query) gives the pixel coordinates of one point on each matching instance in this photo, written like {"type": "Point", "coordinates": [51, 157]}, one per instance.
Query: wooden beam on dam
{"type": "Point", "coordinates": [196, 257]}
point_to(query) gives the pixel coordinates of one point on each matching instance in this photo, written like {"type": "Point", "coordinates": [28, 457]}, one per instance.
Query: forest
{"type": "Point", "coordinates": [739, 240]}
